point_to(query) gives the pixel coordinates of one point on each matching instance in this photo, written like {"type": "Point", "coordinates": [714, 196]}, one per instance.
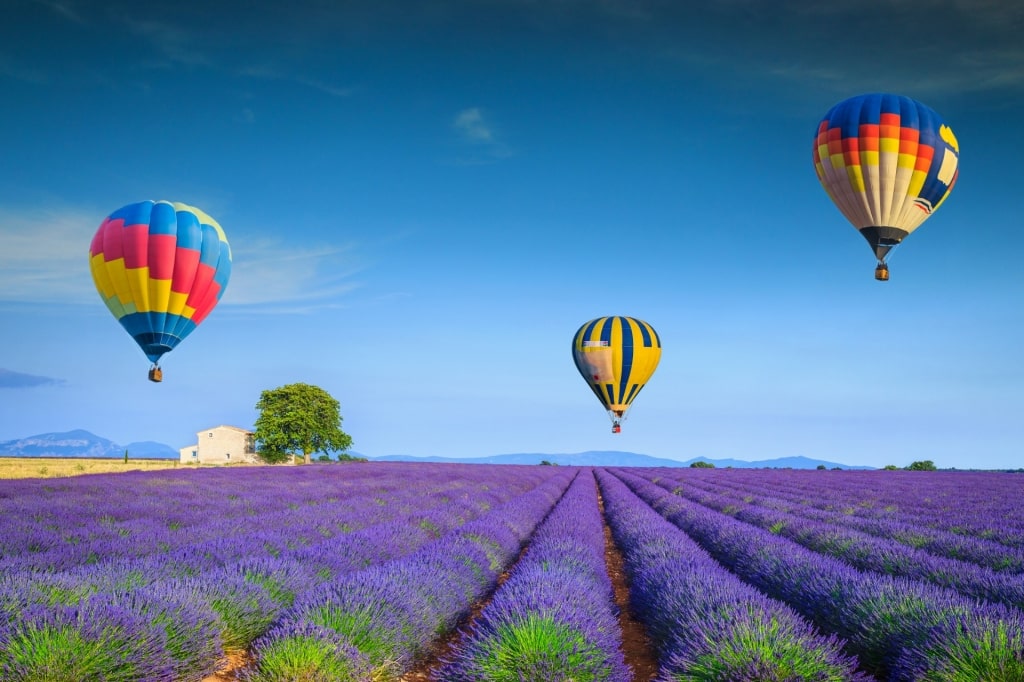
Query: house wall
{"type": "Point", "coordinates": [220, 445]}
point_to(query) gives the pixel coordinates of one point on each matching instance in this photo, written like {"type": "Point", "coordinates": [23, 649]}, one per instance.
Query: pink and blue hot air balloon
{"type": "Point", "coordinates": [160, 267]}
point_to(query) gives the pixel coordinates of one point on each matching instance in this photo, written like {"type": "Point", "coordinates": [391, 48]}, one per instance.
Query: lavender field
{"type": "Point", "coordinates": [453, 572]}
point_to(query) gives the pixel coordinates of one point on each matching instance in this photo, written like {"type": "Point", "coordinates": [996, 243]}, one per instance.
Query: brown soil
{"type": "Point", "coordinates": [234, 662]}
{"type": "Point", "coordinates": [636, 645]}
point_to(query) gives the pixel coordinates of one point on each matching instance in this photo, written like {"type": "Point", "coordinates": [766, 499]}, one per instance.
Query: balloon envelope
{"type": "Point", "coordinates": [160, 267]}
{"type": "Point", "coordinates": [888, 162]}
{"type": "Point", "coordinates": [616, 356]}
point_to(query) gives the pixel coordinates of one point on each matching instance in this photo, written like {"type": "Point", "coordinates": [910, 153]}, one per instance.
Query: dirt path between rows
{"type": "Point", "coordinates": [636, 645]}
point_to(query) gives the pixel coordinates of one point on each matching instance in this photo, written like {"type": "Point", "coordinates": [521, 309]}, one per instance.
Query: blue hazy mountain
{"type": "Point", "coordinates": [82, 443]}
{"type": "Point", "coordinates": [623, 459]}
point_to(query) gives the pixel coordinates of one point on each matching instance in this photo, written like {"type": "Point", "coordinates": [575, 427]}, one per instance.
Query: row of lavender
{"type": "Point", "coordinates": [554, 618]}
{"type": "Point", "coordinates": [706, 623]}
{"type": "Point", "coordinates": [832, 504]}
{"type": "Point", "coordinates": [167, 611]}
{"type": "Point", "coordinates": [865, 551]}
{"type": "Point", "coordinates": [375, 624]}
{"type": "Point", "coordinates": [899, 628]}
{"type": "Point", "coordinates": [971, 504]}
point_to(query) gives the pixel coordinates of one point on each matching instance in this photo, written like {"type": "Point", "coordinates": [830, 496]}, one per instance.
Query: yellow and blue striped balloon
{"type": "Point", "coordinates": [616, 356]}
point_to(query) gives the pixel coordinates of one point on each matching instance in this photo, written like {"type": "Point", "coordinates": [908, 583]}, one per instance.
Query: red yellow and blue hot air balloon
{"type": "Point", "coordinates": [616, 356]}
{"type": "Point", "coordinates": [160, 267]}
{"type": "Point", "coordinates": [888, 162]}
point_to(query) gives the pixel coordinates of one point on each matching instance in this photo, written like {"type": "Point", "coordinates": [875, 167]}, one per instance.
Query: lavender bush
{"type": "Point", "coordinates": [707, 624]}
{"type": "Point", "coordinates": [554, 618]}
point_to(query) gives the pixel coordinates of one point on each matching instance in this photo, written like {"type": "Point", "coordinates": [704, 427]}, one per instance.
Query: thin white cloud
{"type": "Point", "coordinates": [12, 379]}
{"type": "Point", "coordinates": [65, 10]}
{"type": "Point", "coordinates": [275, 277]}
{"type": "Point", "coordinates": [45, 260]}
{"type": "Point", "coordinates": [478, 134]}
{"type": "Point", "coordinates": [176, 44]}
{"type": "Point", "coordinates": [10, 69]}
{"type": "Point", "coordinates": [265, 72]}
{"type": "Point", "coordinates": [45, 255]}
{"type": "Point", "coordinates": [470, 123]}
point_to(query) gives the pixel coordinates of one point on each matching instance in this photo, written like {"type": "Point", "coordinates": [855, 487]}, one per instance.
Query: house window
{"type": "Point", "coordinates": [228, 455]}
{"type": "Point", "coordinates": [195, 454]}
{"type": "Point", "coordinates": [211, 434]}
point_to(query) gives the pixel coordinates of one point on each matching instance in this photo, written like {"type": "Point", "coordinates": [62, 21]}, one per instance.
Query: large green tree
{"type": "Point", "coordinates": [298, 419]}
{"type": "Point", "coordinates": [922, 465]}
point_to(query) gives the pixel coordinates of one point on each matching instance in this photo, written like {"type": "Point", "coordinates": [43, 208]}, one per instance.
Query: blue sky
{"type": "Point", "coordinates": [425, 201]}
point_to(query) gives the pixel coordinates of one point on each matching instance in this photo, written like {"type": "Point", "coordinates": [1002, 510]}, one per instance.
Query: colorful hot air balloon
{"type": "Point", "coordinates": [160, 267]}
{"type": "Point", "coordinates": [887, 162]}
{"type": "Point", "coordinates": [616, 357]}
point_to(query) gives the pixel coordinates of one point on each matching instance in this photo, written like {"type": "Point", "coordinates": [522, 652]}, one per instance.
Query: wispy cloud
{"type": "Point", "coordinates": [65, 10]}
{"type": "Point", "coordinates": [266, 72]}
{"type": "Point", "coordinates": [269, 276]}
{"type": "Point", "coordinates": [177, 44]}
{"type": "Point", "coordinates": [479, 135]}
{"type": "Point", "coordinates": [12, 379]}
{"type": "Point", "coordinates": [11, 69]}
{"type": "Point", "coordinates": [45, 261]}
{"type": "Point", "coordinates": [45, 258]}
{"type": "Point", "coordinates": [470, 122]}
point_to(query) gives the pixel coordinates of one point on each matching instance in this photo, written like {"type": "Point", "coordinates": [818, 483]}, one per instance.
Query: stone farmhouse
{"type": "Point", "coordinates": [221, 445]}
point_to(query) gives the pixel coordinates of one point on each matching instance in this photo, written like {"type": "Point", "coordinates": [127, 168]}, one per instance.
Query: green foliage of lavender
{"type": "Point", "coordinates": [537, 647]}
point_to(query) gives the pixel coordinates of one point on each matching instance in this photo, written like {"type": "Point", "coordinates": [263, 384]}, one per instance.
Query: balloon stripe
{"type": "Point", "coordinates": [163, 219]}
{"type": "Point", "coordinates": [626, 326]}
{"type": "Point", "coordinates": [645, 333]}
{"type": "Point", "coordinates": [186, 263]}
{"type": "Point", "coordinates": [160, 256]}
{"type": "Point", "coordinates": [112, 248]}
{"type": "Point", "coordinates": [134, 245]}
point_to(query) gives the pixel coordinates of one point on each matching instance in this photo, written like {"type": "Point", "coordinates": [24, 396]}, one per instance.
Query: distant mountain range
{"type": "Point", "coordinates": [622, 459]}
{"type": "Point", "coordinates": [81, 443]}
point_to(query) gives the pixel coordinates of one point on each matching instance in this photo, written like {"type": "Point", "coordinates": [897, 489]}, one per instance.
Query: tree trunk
{"type": "Point", "coordinates": [305, 457]}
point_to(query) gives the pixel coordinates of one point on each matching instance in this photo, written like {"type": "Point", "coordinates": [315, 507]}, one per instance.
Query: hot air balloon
{"type": "Point", "coordinates": [888, 162]}
{"type": "Point", "coordinates": [160, 267]}
{"type": "Point", "coordinates": [616, 357]}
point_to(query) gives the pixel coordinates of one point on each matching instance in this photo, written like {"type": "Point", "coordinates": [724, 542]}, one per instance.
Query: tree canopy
{"type": "Point", "coordinates": [922, 465]}
{"type": "Point", "coordinates": [298, 419]}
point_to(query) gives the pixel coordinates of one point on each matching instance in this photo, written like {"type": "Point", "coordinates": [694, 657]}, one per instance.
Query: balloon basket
{"type": "Point", "coordinates": [882, 273]}
{"type": "Point", "coordinates": [156, 375]}
{"type": "Point", "coordinates": [616, 428]}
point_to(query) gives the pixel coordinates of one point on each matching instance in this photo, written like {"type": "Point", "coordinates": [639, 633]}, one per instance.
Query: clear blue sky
{"type": "Point", "coordinates": [425, 200]}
